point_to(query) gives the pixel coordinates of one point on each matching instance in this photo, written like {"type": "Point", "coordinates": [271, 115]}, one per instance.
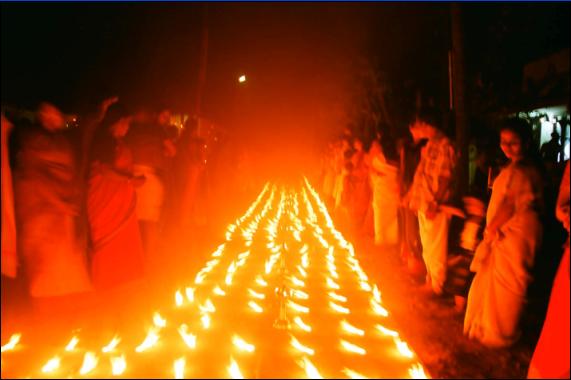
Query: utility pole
{"type": "Point", "coordinates": [202, 62]}
{"type": "Point", "coordinates": [458, 100]}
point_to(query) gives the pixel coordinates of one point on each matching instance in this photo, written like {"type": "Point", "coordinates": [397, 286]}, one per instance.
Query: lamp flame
{"type": "Point", "coordinates": [234, 370]}
{"type": "Point", "coordinates": [254, 306]}
{"type": "Point", "coordinates": [338, 308]}
{"type": "Point", "coordinates": [386, 331]}
{"type": "Point", "coordinates": [189, 292]}
{"type": "Point", "coordinates": [403, 348]}
{"type": "Point", "coordinates": [257, 295]}
{"type": "Point", "coordinates": [189, 339]}
{"type": "Point", "coordinates": [111, 345]}
{"type": "Point", "coordinates": [151, 339]}
{"type": "Point", "coordinates": [89, 363]}
{"type": "Point", "coordinates": [14, 340]}
{"type": "Point", "coordinates": [72, 344]}
{"type": "Point", "coordinates": [205, 320]}
{"type": "Point", "coordinates": [159, 321]}
{"type": "Point", "coordinates": [51, 365]}
{"type": "Point", "coordinates": [353, 375]}
{"type": "Point", "coordinates": [337, 297]}
{"type": "Point", "coordinates": [310, 369]}
{"type": "Point", "coordinates": [118, 365]}
{"type": "Point", "coordinates": [241, 344]}
{"type": "Point", "coordinates": [353, 348]}
{"type": "Point", "coordinates": [178, 298]}
{"type": "Point", "coordinates": [298, 307]}
{"type": "Point", "coordinates": [346, 326]}
{"type": "Point", "coordinates": [298, 321]}
{"type": "Point", "coordinates": [417, 372]}
{"type": "Point", "coordinates": [300, 347]}
{"type": "Point", "coordinates": [179, 365]}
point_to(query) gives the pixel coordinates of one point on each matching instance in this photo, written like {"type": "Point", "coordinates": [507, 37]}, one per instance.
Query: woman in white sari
{"type": "Point", "coordinates": [504, 259]}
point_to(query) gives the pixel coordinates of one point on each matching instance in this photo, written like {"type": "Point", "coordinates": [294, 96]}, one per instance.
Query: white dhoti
{"type": "Point", "coordinates": [434, 238]}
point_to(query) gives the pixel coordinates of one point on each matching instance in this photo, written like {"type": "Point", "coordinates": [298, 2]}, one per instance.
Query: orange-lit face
{"type": "Point", "coordinates": [511, 145]}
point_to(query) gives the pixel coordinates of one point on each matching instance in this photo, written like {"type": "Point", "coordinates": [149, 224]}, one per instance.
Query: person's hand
{"type": "Point", "coordinates": [106, 103]}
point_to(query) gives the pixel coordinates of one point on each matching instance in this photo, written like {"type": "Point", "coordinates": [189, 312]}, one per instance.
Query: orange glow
{"type": "Point", "coordinates": [234, 370]}
{"type": "Point", "coordinates": [417, 372]}
{"type": "Point", "coordinates": [111, 345]}
{"type": "Point", "coordinates": [353, 348]}
{"type": "Point", "coordinates": [12, 342]}
{"type": "Point", "coordinates": [298, 321]}
{"type": "Point", "coordinates": [151, 339]}
{"type": "Point", "coordinates": [310, 369]}
{"type": "Point", "coordinates": [178, 368]}
{"type": "Point", "coordinates": [51, 365]}
{"type": "Point", "coordinates": [242, 345]}
{"type": "Point", "coordinates": [338, 308]}
{"type": "Point", "coordinates": [300, 347]}
{"type": "Point", "coordinates": [353, 375]}
{"type": "Point", "coordinates": [89, 363]}
{"type": "Point", "coordinates": [347, 327]}
{"type": "Point", "coordinates": [159, 321]}
{"type": "Point", "coordinates": [118, 365]}
{"type": "Point", "coordinates": [189, 339]}
{"type": "Point", "coordinates": [254, 306]}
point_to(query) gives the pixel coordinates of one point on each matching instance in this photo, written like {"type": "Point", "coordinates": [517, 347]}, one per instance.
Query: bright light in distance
{"type": "Point", "coordinates": [242, 78]}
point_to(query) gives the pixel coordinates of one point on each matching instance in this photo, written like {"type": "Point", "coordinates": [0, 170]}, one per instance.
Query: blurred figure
{"type": "Point", "coordinates": [430, 189]}
{"type": "Point", "coordinates": [551, 149]}
{"type": "Point", "coordinates": [410, 245]}
{"type": "Point", "coordinates": [9, 254]}
{"type": "Point", "coordinates": [361, 193]}
{"type": "Point", "coordinates": [152, 149]}
{"type": "Point", "coordinates": [383, 176]}
{"type": "Point", "coordinates": [504, 259]}
{"type": "Point", "coordinates": [551, 356]}
{"type": "Point", "coordinates": [47, 206]}
{"type": "Point", "coordinates": [117, 254]}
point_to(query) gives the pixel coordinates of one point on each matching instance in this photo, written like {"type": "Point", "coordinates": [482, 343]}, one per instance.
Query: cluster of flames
{"type": "Point", "coordinates": [338, 322]}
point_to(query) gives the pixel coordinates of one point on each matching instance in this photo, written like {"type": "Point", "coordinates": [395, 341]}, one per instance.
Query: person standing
{"type": "Point", "coordinates": [504, 259]}
{"type": "Point", "coordinates": [431, 188]}
{"type": "Point", "coordinates": [551, 356]}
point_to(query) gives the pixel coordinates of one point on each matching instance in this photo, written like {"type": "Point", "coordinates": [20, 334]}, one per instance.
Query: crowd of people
{"type": "Point", "coordinates": [407, 197]}
{"type": "Point", "coordinates": [83, 206]}
{"type": "Point", "coordinates": [83, 209]}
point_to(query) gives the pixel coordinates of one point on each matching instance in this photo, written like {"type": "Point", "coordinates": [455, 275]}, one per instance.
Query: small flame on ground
{"type": "Point", "coordinates": [353, 375]}
{"type": "Point", "coordinates": [346, 326]}
{"type": "Point", "coordinates": [118, 365]}
{"type": "Point", "coordinates": [189, 292]}
{"type": "Point", "coordinates": [298, 321]}
{"type": "Point", "coordinates": [208, 307]}
{"type": "Point", "coordinates": [111, 345]}
{"type": "Point", "coordinates": [378, 309]}
{"type": "Point", "coordinates": [151, 339]}
{"type": "Point", "coordinates": [386, 331]}
{"type": "Point", "coordinates": [189, 339]}
{"type": "Point", "coordinates": [72, 344]}
{"type": "Point", "coordinates": [179, 365]}
{"type": "Point", "coordinates": [14, 340]}
{"type": "Point", "coordinates": [260, 281]}
{"type": "Point", "coordinates": [338, 308]}
{"type": "Point", "coordinates": [242, 344]}
{"type": "Point", "coordinates": [218, 291]}
{"type": "Point", "coordinates": [403, 348]}
{"type": "Point", "coordinates": [353, 348]}
{"type": "Point", "coordinates": [234, 370]}
{"type": "Point", "coordinates": [159, 321]}
{"type": "Point", "coordinates": [254, 306]}
{"type": "Point", "coordinates": [337, 297]}
{"type": "Point", "coordinates": [300, 347]}
{"type": "Point", "coordinates": [205, 320]}
{"type": "Point", "coordinates": [257, 295]}
{"type": "Point", "coordinates": [178, 298]}
{"type": "Point", "coordinates": [416, 371]}
{"type": "Point", "coordinates": [299, 294]}
{"type": "Point", "coordinates": [298, 307]}
{"type": "Point", "coordinates": [310, 369]}
{"type": "Point", "coordinates": [332, 284]}
{"type": "Point", "coordinates": [89, 363]}
{"type": "Point", "coordinates": [51, 365]}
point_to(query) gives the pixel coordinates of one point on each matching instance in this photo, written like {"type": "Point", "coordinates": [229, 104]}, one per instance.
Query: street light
{"type": "Point", "coordinates": [242, 78]}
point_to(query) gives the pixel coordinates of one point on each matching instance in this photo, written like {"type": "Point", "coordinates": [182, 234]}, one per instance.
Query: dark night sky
{"type": "Point", "coordinates": [296, 55]}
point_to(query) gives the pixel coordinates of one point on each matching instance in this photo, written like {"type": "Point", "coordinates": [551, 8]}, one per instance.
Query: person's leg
{"type": "Point", "coordinates": [434, 238]}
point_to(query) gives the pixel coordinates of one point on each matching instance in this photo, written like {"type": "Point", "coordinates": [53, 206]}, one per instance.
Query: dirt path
{"type": "Point", "coordinates": [434, 331]}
